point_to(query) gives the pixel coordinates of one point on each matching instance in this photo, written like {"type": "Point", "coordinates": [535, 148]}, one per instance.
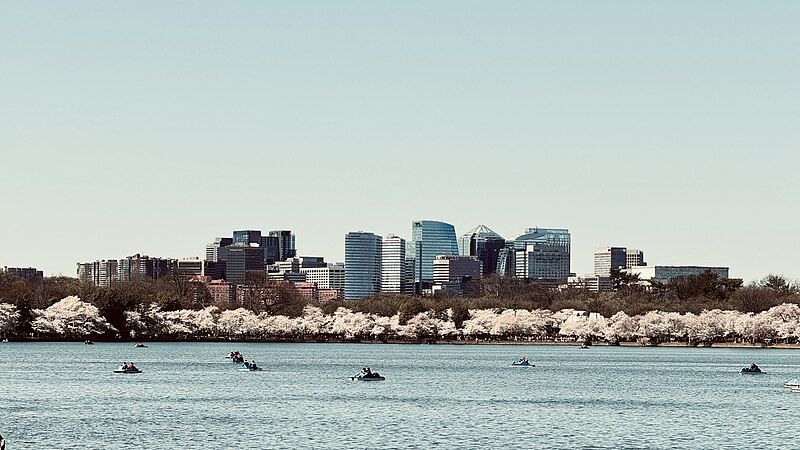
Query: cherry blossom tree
{"type": "Point", "coordinates": [70, 318]}
{"type": "Point", "coordinates": [8, 319]}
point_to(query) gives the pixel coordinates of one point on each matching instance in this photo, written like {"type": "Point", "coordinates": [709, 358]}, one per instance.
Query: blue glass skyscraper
{"type": "Point", "coordinates": [430, 239]}
{"type": "Point", "coordinates": [362, 265]}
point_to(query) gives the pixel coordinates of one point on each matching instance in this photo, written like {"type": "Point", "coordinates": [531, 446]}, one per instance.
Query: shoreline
{"type": "Point", "coordinates": [716, 345]}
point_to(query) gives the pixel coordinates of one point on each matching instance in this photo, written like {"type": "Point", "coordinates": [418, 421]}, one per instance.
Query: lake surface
{"type": "Point", "coordinates": [64, 395]}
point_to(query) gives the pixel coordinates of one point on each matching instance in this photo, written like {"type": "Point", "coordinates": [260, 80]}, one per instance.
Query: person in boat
{"type": "Point", "coordinates": [253, 364]}
{"type": "Point", "coordinates": [754, 367]}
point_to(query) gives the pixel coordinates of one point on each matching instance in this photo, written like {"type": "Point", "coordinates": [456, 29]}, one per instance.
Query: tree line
{"type": "Point", "coordinates": [682, 295]}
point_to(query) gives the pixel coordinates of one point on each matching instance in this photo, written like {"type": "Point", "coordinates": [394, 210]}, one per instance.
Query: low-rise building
{"type": "Point", "coordinates": [307, 290]}
{"type": "Point", "coordinates": [665, 273]}
{"type": "Point", "coordinates": [331, 276]}
{"type": "Point", "coordinates": [191, 267]}
{"type": "Point", "coordinates": [223, 293]}
{"type": "Point", "coordinates": [28, 273]}
{"type": "Point", "coordinates": [327, 295]}
{"type": "Point", "coordinates": [448, 268]}
{"type": "Point", "coordinates": [591, 283]}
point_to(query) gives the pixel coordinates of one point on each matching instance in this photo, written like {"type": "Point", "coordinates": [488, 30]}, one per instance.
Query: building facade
{"type": "Point", "coordinates": [212, 249]}
{"type": "Point", "coordinates": [607, 259]}
{"type": "Point", "coordinates": [191, 267]}
{"type": "Point", "coordinates": [286, 244]}
{"type": "Point", "coordinates": [665, 273]}
{"type": "Point", "coordinates": [242, 259]}
{"type": "Point", "coordinates": [429, 239]}
{"type": "Point", "coordinates": [362, 262]}
{"type": "Point", "coordinates": [27, 273]}
{"type": "Point", "coordinates": [543, 254]}
{"type": "Point", "coordinates": [331, 276]}
{"type": "Point", "coordinates": [447, 268]}
{"type": "Point", "coordinates": [393, 265]}
{"type": "Point", "coordinates": [484, 244]}
{"type": "Point", "coordinates": [634, 257]}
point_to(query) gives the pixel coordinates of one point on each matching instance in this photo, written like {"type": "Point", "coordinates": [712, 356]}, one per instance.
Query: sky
{"type": "Point", "coordinates": [152, 127]}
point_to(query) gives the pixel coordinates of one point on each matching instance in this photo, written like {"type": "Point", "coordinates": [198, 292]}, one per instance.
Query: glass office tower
{"type": "Point", "coordinates": [430, 239]}
{"type": "Point", "coordinates": [362, 265]}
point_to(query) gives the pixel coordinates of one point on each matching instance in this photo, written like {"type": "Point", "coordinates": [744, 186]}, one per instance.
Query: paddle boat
{"type": "Point", "coordinates": [522, 362]}
{"type": "Point", "coordinates": [127, 368]}
{"type": "Point", "coordinates": [794, 384]}
{"type": "Point", "coordinates": [754, 369]}
{"type": "Point", "coordinates": [250, 366]}
{"type": "Point", "coordinates": [367, 374]}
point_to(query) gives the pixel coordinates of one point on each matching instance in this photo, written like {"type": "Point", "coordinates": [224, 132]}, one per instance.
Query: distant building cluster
{"type": "Point", "coordinates": [434, 260]}
{"type": "Point", "coordinates": [622, 260]}
{"type": "Point", "coordinates": [106, 272]}
{"type": "Point", "coordinates": [28, 273]}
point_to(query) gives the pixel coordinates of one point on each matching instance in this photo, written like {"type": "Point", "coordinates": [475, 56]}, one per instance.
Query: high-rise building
{"type": "Point", "coordinates": [362, 262]}
{"type": "Point", "coordinates": [286, 244]}
{"type": "Point", "coordinates": [607, 259]}
{"type": "Point", "coordinates": [247, 237]}
{"type": "Point", "coordinates": [88, 272]}
{"type": "Point", "coordinates": [484, 244]}
{"type": "Point", "coordinates": [543, 254]}
{"type": "Point", "coordinates": [430, 239]}
{"type": "Point", "coordinates": [108, 273]}
{"type": "Point", "coordinates": [331, 276]}
{"type": "Point", "coordinates": [242, 259]}
{"type": "Point", "coordinates": [100, 273]}
{"type": "Point", "coordinates": [213, 249]}
{"type": "Point", "coordinates": [393, 264]}
{"type": "Point", "coordinates": [634, 257]}
{"type": "Point", "coordinates": [143, 266]}
{"type": "Point", "coordinates": [506, 260]}
{"type": "Point", "coordinates": [272, 250]}
{"type": "Point", "coordinates": [408, 275]}
{"type": "Point", "coordinates": [456, 268]}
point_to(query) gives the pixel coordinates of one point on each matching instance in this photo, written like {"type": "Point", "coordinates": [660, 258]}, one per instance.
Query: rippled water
{"type": "Point", "coordinates": [61, 395]}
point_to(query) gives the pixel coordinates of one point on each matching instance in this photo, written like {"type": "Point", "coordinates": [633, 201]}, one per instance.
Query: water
{"type": "Point", "coordinates": [63, 395]}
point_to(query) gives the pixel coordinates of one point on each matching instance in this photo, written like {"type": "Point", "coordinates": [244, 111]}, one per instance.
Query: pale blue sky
{"type": "Point", "coordinates": [154, 126]}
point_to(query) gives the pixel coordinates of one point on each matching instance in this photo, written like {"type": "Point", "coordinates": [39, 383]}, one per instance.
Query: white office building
{"type": "Point", "coordinates": [328, 277]}
{"type": "Point", "coordinates": [393, 264]}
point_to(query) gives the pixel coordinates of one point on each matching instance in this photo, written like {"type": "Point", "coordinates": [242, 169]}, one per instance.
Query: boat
{"type": "Point", "coordinates": [583, 347]}
{"type": "Point", "coordinates": [133, 369]}
{"type": "Point", "coordinates": [140, 345]}
{"type": "Point", "coordinates": [794, 384]}
{"type": "Point", "coordinates": [522, 362]}
{"type": "Point", "coordinates": [752, 369]}
{"type": "Point", "coordinates": [371, 376]}
{"type": "Point", "coordinates": [88, 342]}
{"type": "Point", "coordinates": [245, 368]}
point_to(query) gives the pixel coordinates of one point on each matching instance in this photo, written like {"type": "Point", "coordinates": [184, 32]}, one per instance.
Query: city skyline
{"type": "Point", "coordinates": [577, 260]}
{"type": "Point", "coordinates": [338, 117]}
